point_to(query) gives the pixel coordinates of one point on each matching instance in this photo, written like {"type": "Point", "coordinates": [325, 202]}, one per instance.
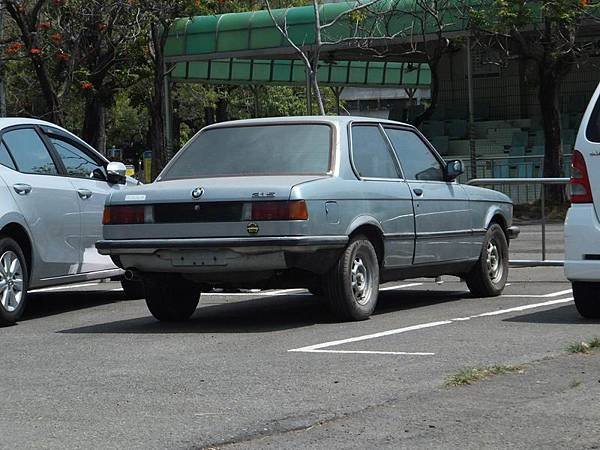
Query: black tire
{"type": "Point", "coordinates": [133, 289]}
{"type": "Point", "coordinates": [10, 310]}
{"type": "Point", "coordinates": [317, 291]}
{"type": "Point", "coordinates": [170, 298]}
{"type": "Point", "coordinates": [345, 301]}
{"type": "Point", "coordinates": [488, 278]}
{"type": "Point", "coordinates": [587, 299]}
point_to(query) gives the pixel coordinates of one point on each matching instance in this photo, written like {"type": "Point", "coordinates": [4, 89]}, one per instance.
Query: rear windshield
{"type": "Point", "coordinates": [255, 150]}
{"type": "Point", "coordinates": [593, 129]}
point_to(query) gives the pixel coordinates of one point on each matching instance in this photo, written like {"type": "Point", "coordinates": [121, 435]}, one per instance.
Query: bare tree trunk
{"type": "Point", "coordinates": [157, 119]}
{"type": "Point", "coordinates": [435, 90]}
{"type": "Point", "coordinates": [548, 96]}
{"type": "Point", "coordinates": [221, 112]}
{"type": "Point", "coordinates": [94, 124]}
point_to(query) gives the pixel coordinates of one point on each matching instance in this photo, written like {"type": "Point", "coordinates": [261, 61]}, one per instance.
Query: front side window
{"type": "Point", "coordinates": [77, 163]}
{"type": "Point", "coordinates": [254, 150]}
{"type": "Point", "coordinates": [5, 158]}
{"type": "Point", "coordinates": [371, 154]}
{"type": "Point", "coordinates": [29, 152]}
{"type": "Point", "coordinates": [418, 163]}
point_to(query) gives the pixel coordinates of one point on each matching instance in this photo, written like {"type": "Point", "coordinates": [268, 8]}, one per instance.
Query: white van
{"type": "Point", "coordinates": [582, 226]}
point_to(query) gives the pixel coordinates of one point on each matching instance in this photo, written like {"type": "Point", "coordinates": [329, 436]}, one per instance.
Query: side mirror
{"type": "Point", "coordinates": [116, 173]}
{"type": "Point", "coordinates": [454, 169]}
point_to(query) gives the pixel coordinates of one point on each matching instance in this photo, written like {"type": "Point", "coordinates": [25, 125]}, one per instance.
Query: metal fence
{"type": "Point", "coordinates": [514, 167]}
{"type": "Point", "coordinates": [540, 183]}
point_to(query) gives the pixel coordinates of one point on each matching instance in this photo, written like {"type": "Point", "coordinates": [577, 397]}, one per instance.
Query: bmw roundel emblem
{"type": "Point", "coordinates": [197, 193]}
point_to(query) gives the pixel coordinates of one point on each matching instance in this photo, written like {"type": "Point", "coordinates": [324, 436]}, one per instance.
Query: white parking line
{"type": "Point", "coordinates": [61, 288]}
{"type": "Point", "coordinates": [553, 294]}
{"type": "Point", "coordinates": [367, 352]}
{"type": "Point", "coordinates": [259, 294]}
{"type": "Point", "coordinates": [312, 348]}
{"type": "Point", "coordinates": [400, 286]}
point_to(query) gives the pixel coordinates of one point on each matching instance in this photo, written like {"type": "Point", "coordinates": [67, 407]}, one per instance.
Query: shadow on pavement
{"type": "Point", "coordinates": [265, 314]}
{"type": "Point", "coordinates": [45, 304]}
{"type": "Point", "coordinates": [564, 315]}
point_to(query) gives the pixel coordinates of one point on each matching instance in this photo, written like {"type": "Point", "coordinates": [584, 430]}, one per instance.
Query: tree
{"type": "Point", "coordinates": [75, 48]}
{"type": "Point", "coordinates": [544, 33]}
{"type": "Point", "coordinates": [365, 23]}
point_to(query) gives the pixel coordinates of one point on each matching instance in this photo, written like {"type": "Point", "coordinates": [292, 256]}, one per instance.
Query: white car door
{"type": "Point", "coordinates": [48, 202]}
{"type": "Point", "coordinates": [87, 175]}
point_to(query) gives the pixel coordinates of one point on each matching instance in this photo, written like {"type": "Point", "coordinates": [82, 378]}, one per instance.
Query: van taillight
{"type": "Point", "coordinates": [581, 191]}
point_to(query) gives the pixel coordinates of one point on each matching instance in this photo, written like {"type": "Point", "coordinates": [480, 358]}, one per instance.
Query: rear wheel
{"type": "Point", "coordinates": [587, 299]}
{"type": "Point", "coordinates": [488, 277]}
{"type": "Point", "coordinates": [171, 298]}
{"type": "Point", "coordinates": [352, 285]}
{"type": "Point", "coordinates": [13, 281]}
{"type": "Point", "coordinates": [133, 289]}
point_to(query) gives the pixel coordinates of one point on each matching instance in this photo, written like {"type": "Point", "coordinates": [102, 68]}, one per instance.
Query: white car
{"type": "Point", "coordinates": [582, 226]}
{"type": "Point", "coordinates": [52, 192]}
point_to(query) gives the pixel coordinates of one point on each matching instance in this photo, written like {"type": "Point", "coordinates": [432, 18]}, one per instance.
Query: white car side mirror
{"type": "Point", "coordinates": [116, 173]}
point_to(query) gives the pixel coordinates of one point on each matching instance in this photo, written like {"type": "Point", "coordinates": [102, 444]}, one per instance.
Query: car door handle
{"type": "Point", "coordinates": [22, 189]}
{"type": "Point", "coordinates": [418, 192]}
{"type": "Point", "coordinates": [84, 193]}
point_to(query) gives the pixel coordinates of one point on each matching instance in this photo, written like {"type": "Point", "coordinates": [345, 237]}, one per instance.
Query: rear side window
{"type": "Point", "coordinates": [371, 154]}
{"type": "Point", "coordinates": [593, 128]}
{"type": "Point", "coordinates": [29, 152]}
{"type": "Point", "coordinates": [5, 158]}
{"type": "Point", "coordinates": [415, 157]}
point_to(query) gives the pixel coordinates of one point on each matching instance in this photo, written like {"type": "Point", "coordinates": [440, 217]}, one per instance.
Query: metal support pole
{"type": "Point", "coordinates": [308, 93]}
{"type": "Point", "coordinates": [256, 92]}
{"type": "Point", "coordinates": [168, 114]}
{"type": "Point", "coordinates": [543, 206]}
{"type": "Point", "coordinates": [471, 110]}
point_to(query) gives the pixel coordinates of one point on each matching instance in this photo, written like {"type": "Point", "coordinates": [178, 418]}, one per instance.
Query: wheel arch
{"type": "Point", "coordinates": [497, 216]}
{"type": "Point", "coordinates": [18, 232]}
{"type": "Point", "coordinates": [371, 228]}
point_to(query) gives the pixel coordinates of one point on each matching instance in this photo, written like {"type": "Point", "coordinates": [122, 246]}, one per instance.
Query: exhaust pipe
{"type": "Point", "coordinates": [131, 275]}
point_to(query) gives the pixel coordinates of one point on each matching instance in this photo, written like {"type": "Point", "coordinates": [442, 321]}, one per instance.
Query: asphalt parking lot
{"type": "Point", "coordinates": [88, 369]}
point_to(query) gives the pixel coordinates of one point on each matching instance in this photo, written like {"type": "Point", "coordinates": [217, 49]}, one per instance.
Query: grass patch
{"type": "Point", "coordinates": [474, 374]}
{"type": "Point", "coordinates": [584, 347]}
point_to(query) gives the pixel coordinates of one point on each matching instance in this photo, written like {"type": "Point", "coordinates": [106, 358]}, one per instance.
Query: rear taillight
{"type": "Point", "coordinates": [581, 191]}
{"type": "Point", "coordinates": [279, 210]}
{"type": "Point", "coordinates": [123, 215]}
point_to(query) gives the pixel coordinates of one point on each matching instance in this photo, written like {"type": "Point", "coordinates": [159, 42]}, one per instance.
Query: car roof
{"type": "Point", "coordinates": [334, 120]}
{"type": "Point", "coordinates": [6, 122]}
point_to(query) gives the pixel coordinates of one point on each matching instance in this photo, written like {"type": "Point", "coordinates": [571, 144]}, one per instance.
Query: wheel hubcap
{"type": "Point", "coordinates": [494, 262]}
{"type": "Point", "coordinates": [11, 281]}
{"type": "Point", "coordinates": [361, 281]}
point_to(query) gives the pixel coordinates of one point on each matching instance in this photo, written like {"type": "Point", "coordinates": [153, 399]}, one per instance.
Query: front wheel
{"type": "Point", "coordinates": [171, 298]}
{"type": "Point", "coordinates": [587, 299]}
{"type": "Point", "coordinates": [13, 281]}
{"type": "Point", "coordinates": [488, 277]}
{"type": "Point", "coordinates": [352, 285]}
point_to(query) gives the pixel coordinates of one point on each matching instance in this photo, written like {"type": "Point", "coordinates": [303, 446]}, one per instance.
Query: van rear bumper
{"type": "Point", "coordinates": [582, 243]}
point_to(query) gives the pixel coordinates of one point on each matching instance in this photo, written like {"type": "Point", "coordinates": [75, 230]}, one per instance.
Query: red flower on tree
{"type": "Point", "coordinates": [62, 56]}
{"type": "Point", "coordinates": [101, 27]}
{"type": "Point", "coordinates": [56, 37]}
{"type": "Point", "coordinates": [35, 51]}
{"type": "Point", "coordinates": [87, 86]}
{"type": "Point", "coordinates": [13, 48]}
{"type": "Point", "coordinates": [44, 25]}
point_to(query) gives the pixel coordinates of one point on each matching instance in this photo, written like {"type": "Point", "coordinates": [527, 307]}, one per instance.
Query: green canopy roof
{"type": "Point", "coordinates": [293, 72]}
{"type": "Point", "coordinates": [253, 34]}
